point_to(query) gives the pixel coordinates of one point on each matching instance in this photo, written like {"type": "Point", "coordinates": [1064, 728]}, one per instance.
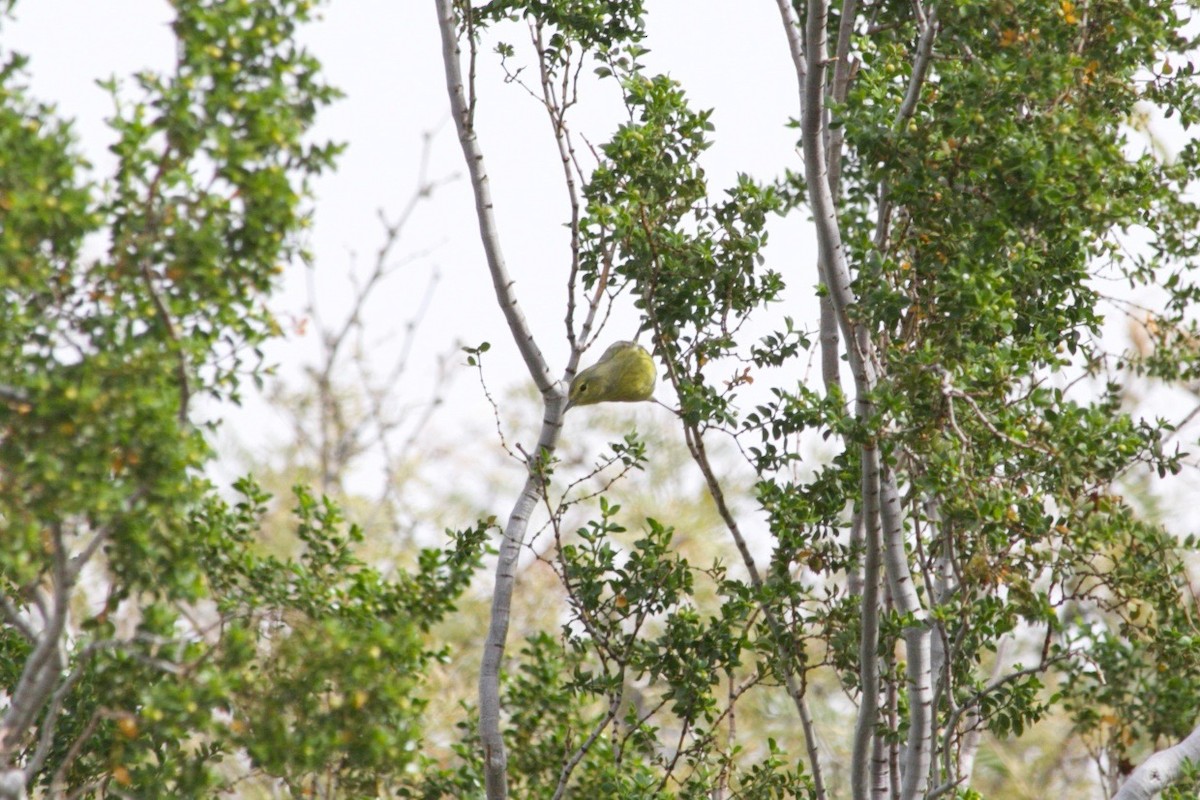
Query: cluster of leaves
{"type": "Point", "coordinates": [639, 682]}
{"type": "Point", "coordinates": [979, 230]}
{"type": "Point", "coordinates": [694, 266]}
{"type": "Point", "coordinates": [1137, 687]}
{"type": "Point", "coordinates": [985, 287]}
{"type": "Point", "coordinates": [187, 655]}
{"type": "Point", "coordinates": [339, 692]}
{"type": "Point", "coordinates": [213, 168]}
{"type": "Point", "coordinates": [310, 669]}
{"type": "Point", "coordinates": [103, 354]}
{"type": "Point", "coordinates": [590, 25]}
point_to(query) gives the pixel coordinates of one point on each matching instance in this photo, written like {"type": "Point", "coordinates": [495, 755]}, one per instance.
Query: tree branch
{"type": "Point", "coordinates": [861, 354]}
{"type": "Point", "coordinates": [928, 27]}
{"type": "Point", "coordinates": [830, 355]}
{"type": "Point", "coordinates": [614, 705]}
{"type": "Point", "coordinates": [13, 616]}
{"type": "Point", "coordinates": [46, 739]}
{"type": "Point", "coordinates": [44, 664]}
{"type": "Point", "coordinates": [489, 234]}
{"type": "Point", "coordinates": [1160, 770]}
{"type": "Point", "coordinates": [868, 646]}
{"type": "Point", "coordinates": [791, 28]}
{"type": "Point", "coordinates": [918, 636]}
{"type": "Point", "coordinates": [695, 443]}
{"type": "Point", "coordinates": [495, 758]}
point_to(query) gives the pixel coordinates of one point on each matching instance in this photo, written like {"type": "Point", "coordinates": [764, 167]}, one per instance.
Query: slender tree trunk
{"type": "Point", "coordinates": [865, 741]}
{"type": "Point", "coordinates": [495, 758]}
{"type": "Point", "coordinates": [863, 360]}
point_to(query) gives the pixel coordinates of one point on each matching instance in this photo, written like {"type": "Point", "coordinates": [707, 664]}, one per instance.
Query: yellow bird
{"type": "Point", "coordinates": [624, 374]}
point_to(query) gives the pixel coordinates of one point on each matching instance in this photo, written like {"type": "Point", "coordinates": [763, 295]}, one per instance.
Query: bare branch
{"type": "Point", "coordinates": [614, 705]}
{"type": "Point", "coordinates": [791, 29]}
{"type": "Point", "coordinates": [14, 617]}
{"type": "Point", "coordinates": [382, 267]}
{"type": "Point", "coordinates": [489, 234]}
{"type": "Point", "coordinates": [556, 101]}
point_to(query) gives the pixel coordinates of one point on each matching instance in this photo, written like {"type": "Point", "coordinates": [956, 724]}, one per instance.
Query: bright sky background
{"type": "Point", "coordinates": [385, 55]}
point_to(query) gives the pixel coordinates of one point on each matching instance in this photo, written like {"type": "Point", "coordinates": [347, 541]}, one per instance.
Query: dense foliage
{"type": "Point", "coordinates": [975, 551]}
{"type": "Point", "coordinates": [987, 186]}
{"type": "Point", "coordinates": [150, 642]}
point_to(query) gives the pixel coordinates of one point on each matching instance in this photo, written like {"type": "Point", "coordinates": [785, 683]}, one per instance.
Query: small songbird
{"type": "Point", "coordinates": [624, 374]}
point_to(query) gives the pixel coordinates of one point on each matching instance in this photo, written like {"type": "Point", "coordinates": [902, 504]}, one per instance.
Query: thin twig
{"type": "Point", "coordinates": [56, 782]}
{"type": "Point", "coordinates": [614, 705]}
{"type": "Point", "coordinates": [181, 365]}
{"type": "Point", "coordinates": [15, 618]}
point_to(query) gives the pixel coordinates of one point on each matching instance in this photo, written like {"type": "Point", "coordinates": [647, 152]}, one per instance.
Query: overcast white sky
{"type": "Point", "coordinates": [385, 55]}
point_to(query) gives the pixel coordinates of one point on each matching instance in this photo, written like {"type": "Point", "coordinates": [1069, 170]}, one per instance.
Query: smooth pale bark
{"type": "Point", "coordinates": [918, 638]}
{"type": "Point", "coordinates": [1160, 770]}
{"type": "Point", "coordinates": [495, 758]}
{"type": "Point", "coordinates": [43, 672]}
{"type": "Point", "coordinates": [862, 358]}
{"type": "Point", "coordinates": [867, 747]}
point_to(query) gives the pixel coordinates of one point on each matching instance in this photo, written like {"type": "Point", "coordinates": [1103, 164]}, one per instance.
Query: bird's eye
{"type": "Point", "coordinates": [583, 387]}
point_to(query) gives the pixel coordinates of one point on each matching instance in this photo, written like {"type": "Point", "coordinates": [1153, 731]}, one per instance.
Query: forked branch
{"type": "Point", "coordinates": [495, 758]}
